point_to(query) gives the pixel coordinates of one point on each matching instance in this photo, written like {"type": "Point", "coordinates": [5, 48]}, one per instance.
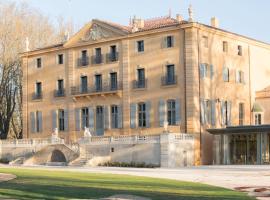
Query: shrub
{"type": "Point", "coordinates": [131, 164]}
{"type": "Point", "coordinates": [4, 160]}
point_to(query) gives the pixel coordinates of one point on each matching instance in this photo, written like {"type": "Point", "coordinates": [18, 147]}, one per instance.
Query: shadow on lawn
{"type": "Point", "coordinates": [35, 191]}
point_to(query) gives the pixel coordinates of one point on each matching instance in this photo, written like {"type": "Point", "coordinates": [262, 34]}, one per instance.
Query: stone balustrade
{"type": "Point", "coordinates": [30, 142]}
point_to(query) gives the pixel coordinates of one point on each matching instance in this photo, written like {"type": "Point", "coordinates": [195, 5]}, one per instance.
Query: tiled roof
{"type": "Point", "coordinates": [149, 24]}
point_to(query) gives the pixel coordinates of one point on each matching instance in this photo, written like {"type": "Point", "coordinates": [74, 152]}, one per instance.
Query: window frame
{"type": "Point", "coordinates": [241, 114]}
{"type": "Point", "coordinates": [61, 119]}
{"type": "Point", "coordinates": [225, 46]}
{"type": "Point", "coordinates": [60, 59]}
{"type": "Point", "coordinates": [85, 117]}
{"type": "Point", "coordinates": [171, 112]}
{"type": "Point", "coordinates": [39, 62]}
{"type": "Point", "coordinates": [142, 115]}
{"type": "Point", "coordinates": [140, 46]}
{"type": "Point", "coordinates": [114, 116]}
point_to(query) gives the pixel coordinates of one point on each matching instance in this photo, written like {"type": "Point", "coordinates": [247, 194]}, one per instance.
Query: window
{"type": "Point", "coordinates": [208, 110]}
{"type": "Point", "coordinates": [114, 116]}
{"type": "Point", "coordinates": [240, 76]}
{"type": "Point", "coordinates": [60, 59]}
{"type": "Point", "coordinates": [204, 70]}
{"type": "Point", "coordinates": [84, 59]}
{"type": "Point", "coordinates": [98, 58]}
{"type": "Point", "coordinates": [226, 74]}
{"type": "Point", "coordinates": [239, 48]}
{"type": "Point", "coordinates": [85, 118]}
{"type": "Point", "coordinates": [169, 41]}
{"type": "Point", "coordinates": [241, 113]}
{"type": "Point", "coordinates": [141, 78]}
{"type": "Point", "coordinates": [38, 122]}
{"type": "Point", "coordinates": [171, 113]}
{"type": "Point", "coordinates": [113, 54]}
{"type": "Point", "coordinates": [225, 46]}
{"type": "Point", "coordinates": [170, 77]}
{"type": "Point", "coordinates": [141, 115]}
{"type": "Point", "coordinates": [98, 81]}
{"type": "Point", "coordinates": [61, 119]}
{"type": "Point", "coordinates": [258, 119]}
{"type": "Point", "coordinates": [38, 89]}
{"type": "Point", "coordinates": [205, 41]}
{"type": "Point", "coordinates": [140, 46]}
{"type": "Point", "coordinates": [226, 113]}
{"type": "Point", "coordinates": [60, 85]}
{"type": "Point", "coordinates": [113, 77]}
{"type": "Point", "coordinates": [39, 63]}
{"type": "Point", "coordinates": [84, 84]}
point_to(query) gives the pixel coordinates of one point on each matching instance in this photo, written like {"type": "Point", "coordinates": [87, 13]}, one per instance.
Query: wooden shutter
{"type": "Point", "coordinates": [133, 115]}
{"type": "Point", "coordinates": [164, 42]}
{"type": "Point", "coordinates": [78, 119]}
{"type": "Point", "coordinates": [107, 117]}
{"type": "Point", "coordinates": [54, 120]}
{"type": "Point", "coordinates": [162, 112]}
{"type": "Point", "coordinates": [40, 121]}
{"type": "Point", "coordinates": [237, 78]}
{"type": "Point", "coordinates": [213, 113]}
{"type": "Point", "coordinates": [223, 112]}
{"type": "Point", "coordinates": [91, 119]}
{"type": "Point", "coordinates": [120, 116]}
{"type": "Point", "coordinates": [66, 120]}
{"type": "Point", "coordinates": [33, 122]}
{"type": "Point", "coordinates": [173, 41]}
{"type": "Point", "coordinates": [212, 71]}
{"type": "Point", "coordinates": [148, 114]}
{"type": "Point", "coordinates": [206, 120]}
{"type": "Point", "coordinates": [202, 111]}
{"type": "Point", "coordinates": [229, 112]}
{"type": "Point", "coordinates": [177, 111]}
{"type": "Point", "coordinates": [201, 70]}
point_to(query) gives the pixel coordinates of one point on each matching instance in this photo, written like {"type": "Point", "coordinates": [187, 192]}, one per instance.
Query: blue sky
{"type": "Point", "coordinates": [247, 17]}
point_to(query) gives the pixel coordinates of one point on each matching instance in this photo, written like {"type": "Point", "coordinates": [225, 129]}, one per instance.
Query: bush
{"type": "Point", "coordinates": [4, 160]}
{"type": "Point", "coordinates": [131, 164]}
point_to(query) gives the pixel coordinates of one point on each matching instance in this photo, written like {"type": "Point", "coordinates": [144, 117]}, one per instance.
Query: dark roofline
{"type": "Point", "coordinates": [241, 129]}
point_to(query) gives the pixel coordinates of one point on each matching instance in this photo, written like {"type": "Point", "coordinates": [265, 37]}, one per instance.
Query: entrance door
{"type": "Point", "coordinates": [100, 121]}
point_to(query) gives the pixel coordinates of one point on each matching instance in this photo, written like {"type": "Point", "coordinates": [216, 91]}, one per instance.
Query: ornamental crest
{"type": "Point", "coordinates": [95, 33]}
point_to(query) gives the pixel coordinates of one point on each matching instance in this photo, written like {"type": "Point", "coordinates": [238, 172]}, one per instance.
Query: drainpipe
{"type": "Point", "coordinates": [249, 76]}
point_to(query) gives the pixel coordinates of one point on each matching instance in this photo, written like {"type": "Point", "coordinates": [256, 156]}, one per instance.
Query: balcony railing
{"type": "Point", "coordinates": [97, 60]}
{"type": "Point", "coordinates": [112, 57]}
{"type": "Point", "coordinates": [59, 93]}
{"type": "Point", "coordinates": [168, 80]}
{"type": "Point", "coordinates": [36, 96]}
{"type": "Point", "coordinates": [139, 84]}
{"type": "Point", "coordinates": [106, 88]}
{"type": "Point", "coordinates": [82, 62]}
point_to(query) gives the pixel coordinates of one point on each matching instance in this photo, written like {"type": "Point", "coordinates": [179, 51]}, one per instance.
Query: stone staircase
{"type": "Point", "coordinates": [79, 162]}
{"type": "Point", "coordinates": [18, 161]}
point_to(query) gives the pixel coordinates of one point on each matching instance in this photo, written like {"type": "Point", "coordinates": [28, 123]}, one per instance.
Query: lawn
{"type": "Point", "coordinates": [46, 184]}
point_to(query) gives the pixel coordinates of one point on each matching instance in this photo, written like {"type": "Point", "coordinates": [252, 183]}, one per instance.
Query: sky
{"type": "Point", "coordinates": [246, 17]}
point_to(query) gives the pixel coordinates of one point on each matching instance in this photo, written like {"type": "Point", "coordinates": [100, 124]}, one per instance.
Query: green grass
{"type": "Point", "coordinates": [47, 184]}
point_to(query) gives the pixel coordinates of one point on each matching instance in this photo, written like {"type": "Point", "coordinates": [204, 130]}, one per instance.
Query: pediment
{"type": "Point", "coordinates": [95, 31]}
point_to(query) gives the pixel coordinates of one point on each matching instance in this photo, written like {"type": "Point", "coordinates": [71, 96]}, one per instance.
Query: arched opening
{"type": "Point", "coordinates": [58, 156]}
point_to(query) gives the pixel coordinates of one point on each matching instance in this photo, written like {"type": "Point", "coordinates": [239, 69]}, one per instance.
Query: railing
{"type": "Point", "coordinates": [97, 60]}
{"type": "Point", "coordinates": [76, 90]}
{"type": "Point", "coordinates": [167, 80]}
{"type": "Point", "coordinates": [30, 142]}
{"type": "Point", "coordinates": [59, 93]}
{"type": "Point", "coordinates": [82, 62]}
{"type": "Point", "coordinates": [112, 57]}
{"type": "Point", "coordinates": [139, 84]}
{"type": "Point", "coordinates": [36, 96]}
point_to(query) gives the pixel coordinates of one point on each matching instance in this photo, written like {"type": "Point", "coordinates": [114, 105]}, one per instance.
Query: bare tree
{"type": "Point", "coordinates": [18, 22]}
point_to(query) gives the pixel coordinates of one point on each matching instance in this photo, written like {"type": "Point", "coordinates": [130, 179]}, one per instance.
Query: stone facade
{"type": "Point", "coordinates": [213, 69]}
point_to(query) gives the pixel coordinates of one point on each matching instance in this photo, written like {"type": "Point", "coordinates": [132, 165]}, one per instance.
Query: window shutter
{"type": "Point", "coordinates": [223, 112]}
{"type": "Point", "coordinates": [40, 120]}
{"type": "Point", "coordinates": [120, 116]}
{"type": "Point", "coordinates": [202, 111]}
{"type": "Point", "coordinates": [213, 113]}
{"type": "Point", "coordinates": [33, 122]}
{"type": "Point", "coordinates": [133, 115]}
{"type": "Point", "coordinates": [201, 70]}
{"type": "Point", "coordinates": [229, 104]}
{"type": "Point", "coordinates": [225, 74]}
{"type": "Point", "coordinates": [164, 42]}
{"type": "Point", "coordinates": [211, 71]}
{"type": "Point", "coordinates": [148, 113]}
{"type": "Point", "coordinates": [237, 78]}
{"type": "Point", "coordinates": [172, 41]}
{"type": "Point", "coordinates": [54, 120]}
{"type": "Point", "coordinates": [243, 78]}
{"type": "Point", "coordinates": [91, 119]}
{"type": "Point", "coordinates": [206, 120]}
{"type": "Point", "coordinates": [177, 111]}
{"type": "Point", "coordinates": [78, 119]}
{"type": "Point", "coordinates": [107, 117]}
{"type": "Point", "coordinates": [162, 112]}
{"type": "Point", "coordinates": [66, 120]}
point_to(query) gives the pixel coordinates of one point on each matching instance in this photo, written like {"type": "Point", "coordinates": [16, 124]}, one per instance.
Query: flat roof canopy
{"type": "Point", "coordinates": [241, 129]}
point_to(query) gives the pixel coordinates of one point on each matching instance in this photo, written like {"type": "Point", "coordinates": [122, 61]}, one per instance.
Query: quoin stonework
{"type": "Point", "coordinates": [153, 75]}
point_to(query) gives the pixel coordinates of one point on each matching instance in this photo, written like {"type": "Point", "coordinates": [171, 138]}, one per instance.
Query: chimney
{"type": "Point", "coordinates": [179, 18]}
{"type": "Point", "coordinates": [214, 22]}
{"type": "Point", "coordinates": [137, 24]}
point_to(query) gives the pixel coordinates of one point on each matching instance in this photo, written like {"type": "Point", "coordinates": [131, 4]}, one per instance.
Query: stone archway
{"type": "Point", "coordinates": [58, 156]}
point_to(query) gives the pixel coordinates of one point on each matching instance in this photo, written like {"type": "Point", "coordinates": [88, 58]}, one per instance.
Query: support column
{"type": "Point", "coordinates": [259, 148]}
